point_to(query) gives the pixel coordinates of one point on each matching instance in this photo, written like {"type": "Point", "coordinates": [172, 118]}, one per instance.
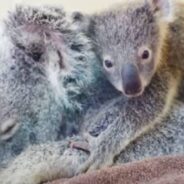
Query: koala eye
{"type": "Point", "coordinates": [145, 54]}
{"type": "Point", "coordinates": [108, 63]}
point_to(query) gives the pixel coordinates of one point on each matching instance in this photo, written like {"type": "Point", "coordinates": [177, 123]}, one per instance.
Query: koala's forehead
{"type": "Point", "coordinates": [132, 26]}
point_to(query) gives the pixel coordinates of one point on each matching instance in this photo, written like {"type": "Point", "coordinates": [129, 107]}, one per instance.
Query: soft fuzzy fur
{"type": "Point", "coordinates": [49, 72]}
{"type": "Point", "coordinates": [133, 128]}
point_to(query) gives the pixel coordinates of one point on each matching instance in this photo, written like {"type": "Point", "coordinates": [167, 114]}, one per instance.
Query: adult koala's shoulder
{"type": "Point", "coordinates": [47, 67]}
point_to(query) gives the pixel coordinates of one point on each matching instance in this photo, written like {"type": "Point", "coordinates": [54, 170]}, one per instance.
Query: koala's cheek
{"type": "Point", "coordinates": [145, 80]}
{"type": "Point", "coordinates": [8, 129]}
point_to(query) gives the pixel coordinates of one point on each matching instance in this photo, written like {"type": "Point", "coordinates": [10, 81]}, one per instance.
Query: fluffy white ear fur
{"type": "Point", "coordinates": [164, 8]}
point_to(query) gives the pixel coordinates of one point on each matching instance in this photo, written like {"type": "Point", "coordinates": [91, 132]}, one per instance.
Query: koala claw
{"type": "Point", "coordinates": [80, 145]}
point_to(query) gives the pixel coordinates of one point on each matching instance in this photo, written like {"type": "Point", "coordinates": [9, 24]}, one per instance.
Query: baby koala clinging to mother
{"type": "Point", "coordinates": [134, 42]}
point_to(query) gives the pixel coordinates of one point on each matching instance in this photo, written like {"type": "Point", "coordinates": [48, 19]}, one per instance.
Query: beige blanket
{"type": "Point", "coordinates": [164, 170]}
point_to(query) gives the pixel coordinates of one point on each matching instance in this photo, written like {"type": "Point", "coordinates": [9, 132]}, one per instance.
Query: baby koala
{"type": "Point", "coordinates": [132, 41]}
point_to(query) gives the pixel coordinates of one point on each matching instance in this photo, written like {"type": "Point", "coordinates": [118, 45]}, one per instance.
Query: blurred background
{"type": "Point", "coordinates": [70, 5]}
{"type": "Point", "coordinates": [88, 6]}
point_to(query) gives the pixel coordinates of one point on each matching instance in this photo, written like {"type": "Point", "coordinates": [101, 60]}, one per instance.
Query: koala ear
{"type": "Point", "coordinates": [164, 8]}
{"type": "Point", "coordinates": [81, 21]}
{"type": "Point", "coordinates": [77, 17]}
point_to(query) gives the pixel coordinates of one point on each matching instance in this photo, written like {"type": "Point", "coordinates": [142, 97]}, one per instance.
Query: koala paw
{"type": "Point", "coordinates": [99, 156]}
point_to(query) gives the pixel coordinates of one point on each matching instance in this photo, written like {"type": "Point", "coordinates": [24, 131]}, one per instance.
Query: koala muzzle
{"type": "Point", "coordinates": [131, 80]}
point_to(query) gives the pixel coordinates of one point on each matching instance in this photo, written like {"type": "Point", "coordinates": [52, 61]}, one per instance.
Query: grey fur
{"type": "Point", "coordinates": [121, 129]}
{"type": "Point", "coordinates": [166, 139]}
{"type": "Point", "coordinates": [47, 79]}
{"type": "Point", "coordinates": [44, 163]}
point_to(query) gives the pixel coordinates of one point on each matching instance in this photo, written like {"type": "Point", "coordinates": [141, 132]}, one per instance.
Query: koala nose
{"type": "Point", "coordinates": [131, 80]}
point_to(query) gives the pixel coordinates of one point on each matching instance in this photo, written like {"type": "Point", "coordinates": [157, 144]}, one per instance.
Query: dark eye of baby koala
{"type": "Point", "coordinates": [145, 54]}
{"type": "Point", "coordinates": [108, 63]}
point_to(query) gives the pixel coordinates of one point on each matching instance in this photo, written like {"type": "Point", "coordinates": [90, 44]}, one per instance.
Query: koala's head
{"type": "Point", "coordinates": [53, 49]}
{"type": "Point", "coordinates": [129, 40]}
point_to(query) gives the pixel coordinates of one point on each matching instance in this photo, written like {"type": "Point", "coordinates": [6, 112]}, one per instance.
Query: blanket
{"type": "Point", "coordinates": [163, 170]}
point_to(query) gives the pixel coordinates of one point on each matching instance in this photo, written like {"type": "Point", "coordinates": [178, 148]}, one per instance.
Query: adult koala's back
{"type": "Point", "coordinates": [46, 65]}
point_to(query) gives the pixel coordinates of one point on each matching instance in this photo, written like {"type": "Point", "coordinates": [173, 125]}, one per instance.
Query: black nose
{"type": "Point", "coordinates": [131, 80]}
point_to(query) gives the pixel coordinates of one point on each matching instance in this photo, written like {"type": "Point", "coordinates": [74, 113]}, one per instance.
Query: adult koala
{"type": "Point", "coordinates": [49, 77]}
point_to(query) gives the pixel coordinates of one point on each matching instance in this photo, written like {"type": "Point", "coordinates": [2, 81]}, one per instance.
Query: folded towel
{"type": "Point", "coordinates": [163, 170]}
